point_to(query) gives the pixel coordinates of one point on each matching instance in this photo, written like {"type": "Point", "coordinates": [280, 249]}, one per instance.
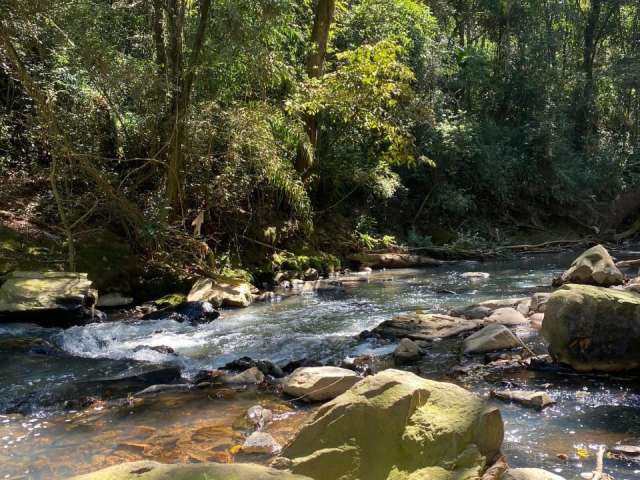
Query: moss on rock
{"type": "Point", "coordinates": [146, 470]}
{"type": "Point", "coordinates": [397, 425]}
{"type": "Point", "coordinates": [593, 328]}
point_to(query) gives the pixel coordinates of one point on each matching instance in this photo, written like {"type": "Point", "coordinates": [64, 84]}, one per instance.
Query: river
{"type": "Point", "coordinates": [48, 441]}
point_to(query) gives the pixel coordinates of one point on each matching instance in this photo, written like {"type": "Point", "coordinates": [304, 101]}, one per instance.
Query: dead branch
{"type": "Point", "coordinates": [598, 473]}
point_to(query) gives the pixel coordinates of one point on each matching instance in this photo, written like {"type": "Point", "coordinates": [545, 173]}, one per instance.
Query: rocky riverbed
{"type": "Point", "coordinates": [72, 398]}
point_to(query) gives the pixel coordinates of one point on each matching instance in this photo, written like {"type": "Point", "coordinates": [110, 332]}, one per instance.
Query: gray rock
{"type": "Point", "coordinates": [407, 351]}
{"type": "Point", "coordinates": [419, 326]}
{"type": "Point", "coordinates": [593, 267]}
{"type": "Point", "coordinates": [490, 339]}
{"type": "Point", "coordinates": [539, 400]}
{"type": "Point", "coordinates": [507, 316]}
{"type": "Point", "coordinates": [539, 302]}
{"type": "Point", "coordinates": [473, 312]}
{"type": "Point", "coordinates": [261, 443]}
{"type": "Point", "coordinates": [259, 416]}
{"type": "Point", "coordinates": [317, 384]}
{"type": "Point", "coordinates": [251, 376]}
{"type": "Point", "coordinates": [502, 303]}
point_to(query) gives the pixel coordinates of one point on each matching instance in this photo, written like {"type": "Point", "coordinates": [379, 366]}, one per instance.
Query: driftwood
{"type": "Point", "coordinates": [598, 473]}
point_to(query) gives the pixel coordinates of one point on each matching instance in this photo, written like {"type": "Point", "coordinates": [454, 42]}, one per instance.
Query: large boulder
{"type": "Point", "coordinates": [593, 267]}
{"type": "Point", "coordinates": [396, 425]}
{"type": "Point", "coordinates": [592, 328]}
{"type": "Point", "coordinates": [147, 470]}
{"type": "Point", "coordinates": [317, 384]}
{"type": "Point", "coordinates": [51, 299]}
{"type": "Point", "coordinates": [222, 293]}
{"type": "Point", "coordinates": [491, 338]}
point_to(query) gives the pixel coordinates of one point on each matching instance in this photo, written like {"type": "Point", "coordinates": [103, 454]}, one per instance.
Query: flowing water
{"type": "Point", "coordinates": [45, 440]}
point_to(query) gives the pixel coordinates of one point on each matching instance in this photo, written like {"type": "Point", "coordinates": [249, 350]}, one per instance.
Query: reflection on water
{"type": "Point", "coordinates": [205, 425]}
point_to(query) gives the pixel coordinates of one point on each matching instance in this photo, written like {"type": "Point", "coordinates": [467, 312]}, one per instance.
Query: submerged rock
{"type": "Point", "coordinates": [222, 293]}
{"type": "Point", "coordinates": [192, 312]}
{"type": "Point", "coordinates": [530, 474]}
{"type": "Point", "coordinates": [473, 312]}
{"type": "Point", "coordinates": [251, 376]}
{"type": "Point", "coordinates": [31, 346]}
{"type": "Point", "coordinates": [593, 267]}
{"type": "Point", "coordinates": [317, 384]}
{"type": "Point", "coordinates": [592, 328]}
{"type": "Point", "coordinates": [539, 400]}
{"type": "Point", "coordinates": [135, 381]}
{"type": "Point", "coordinates": [265, 366]}
{"type": "Point", "coordinates": [490, 339]}
{"type": "Point", "coordinates": [394, 260]}
{"type": "Point", "coordinates": [418, 326]}
{"type": "Point", "coordinates": [147, 470]}
{"type": "Point", "coordinates": [396, 425]}
{"type": "Point", "coordinates": [259, 416]}
{"type": "Point", "coordinates": [261, 443]}
{"type": "Point", "coordinates": [49, 299]}
{"type": "Point", "coordinates": [406, 352]}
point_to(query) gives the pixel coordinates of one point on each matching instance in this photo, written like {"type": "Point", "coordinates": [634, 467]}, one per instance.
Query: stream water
{"type": "Point", "coordinates": [47, 441]}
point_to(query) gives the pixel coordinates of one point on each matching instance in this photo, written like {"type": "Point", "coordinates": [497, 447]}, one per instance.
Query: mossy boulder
{"type": "Point", "coordinates": [593, 267]}
{"type": "Point", "coordinates": [51, 299]}
{"type": "Point", "coordinates": [396, 425]}
{"type": "Point", "coordinates": [146, 470]}
{"type": "Point", "coordinates": [593, 328]}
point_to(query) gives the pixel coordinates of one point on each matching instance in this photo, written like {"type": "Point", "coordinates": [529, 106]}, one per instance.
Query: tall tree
{"type": "Point", "coordinates": [324, 11]}
{"type": "Point", "coordinates": [168, 37]}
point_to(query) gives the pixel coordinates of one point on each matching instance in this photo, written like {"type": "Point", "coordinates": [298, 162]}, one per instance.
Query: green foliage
{"type": "Point", "coordinates": [451, 117]}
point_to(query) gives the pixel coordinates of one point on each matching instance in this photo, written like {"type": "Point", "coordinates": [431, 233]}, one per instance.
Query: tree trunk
{"type": "Point", "coordinates": [586, 108]}
{"type": "Point", "coordinates": [181, 88]}
{"type": "Point", "coordinates": [323, 17]}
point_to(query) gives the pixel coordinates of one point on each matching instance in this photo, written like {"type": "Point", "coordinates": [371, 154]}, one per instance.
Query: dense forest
{"type": "Point", "coordinates": [233, 134]}
{"type": "Point", "coordinates": [319, 239]}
